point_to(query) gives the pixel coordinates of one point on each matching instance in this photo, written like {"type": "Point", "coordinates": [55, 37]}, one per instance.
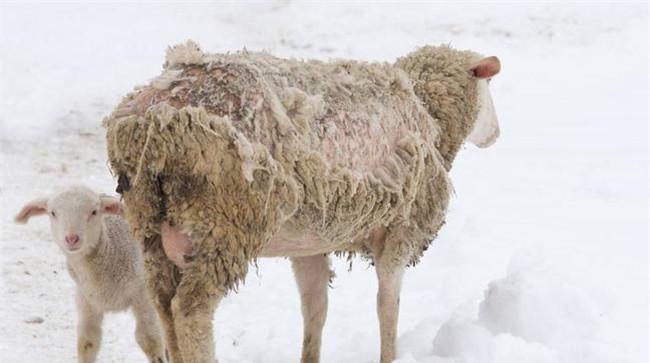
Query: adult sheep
{"type": "Point", "coordinates": [225, 158]}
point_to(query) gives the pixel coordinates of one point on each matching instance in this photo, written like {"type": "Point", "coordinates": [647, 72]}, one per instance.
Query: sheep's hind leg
{"type": "Point", "coordinates": [162, 278]}
{"type": "Point", "coordinates": [89, 334]}
{"type": "Point", "coordinates": [193, 309]}
{"type": "Point", "coordinates": [312, 276]}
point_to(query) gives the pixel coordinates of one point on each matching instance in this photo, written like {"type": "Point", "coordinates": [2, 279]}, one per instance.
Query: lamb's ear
{"type": "Point", "coordinates": [486, 67]}
{"type": "Point", "coordinates": [110, 205]}
{"type": "Point", "coordinates": [34, 208]}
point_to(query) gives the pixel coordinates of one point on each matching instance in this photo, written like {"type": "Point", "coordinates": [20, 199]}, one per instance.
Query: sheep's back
{"type": "Point", "coordinates": [351, 113]}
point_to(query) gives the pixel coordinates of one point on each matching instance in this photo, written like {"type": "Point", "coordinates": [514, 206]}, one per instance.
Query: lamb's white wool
{"type": "Point", "coordinates": [486, 127]}
{"type": "Point", "coordinates": [105, 262]}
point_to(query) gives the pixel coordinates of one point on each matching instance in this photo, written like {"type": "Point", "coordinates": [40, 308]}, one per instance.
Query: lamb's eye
{"type": "Point", "coordinates": [53, 214]}
{"type": "Point", "coordinates": [94, 213]}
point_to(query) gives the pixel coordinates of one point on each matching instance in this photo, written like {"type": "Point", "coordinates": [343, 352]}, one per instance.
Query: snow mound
{"type": "Point", "coordinates": [533, 314]}
{"type": "Point", "coordinates": [539, 307]}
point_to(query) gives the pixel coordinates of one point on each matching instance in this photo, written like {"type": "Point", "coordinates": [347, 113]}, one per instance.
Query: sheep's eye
{"type": "Point", "coordinates": [94, 213]}
{"type": "Point", "coordinates": [53, 214]}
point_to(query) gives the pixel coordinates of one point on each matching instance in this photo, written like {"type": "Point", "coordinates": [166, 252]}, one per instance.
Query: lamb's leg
{"type": "Point", "coordinates": [162, 279]}
{"type": "Point", "coordinates": [89, 331]}
{"type": "Point", "coordinates": [193, 309]}
{"type": "Point", "coordinates": [147, 331]}
{"type": "Point", "coordinates": [312, 276]}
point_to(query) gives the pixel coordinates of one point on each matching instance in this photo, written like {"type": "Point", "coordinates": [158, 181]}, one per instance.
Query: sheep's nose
{"type": "Point", "coordinates": [71, 239]}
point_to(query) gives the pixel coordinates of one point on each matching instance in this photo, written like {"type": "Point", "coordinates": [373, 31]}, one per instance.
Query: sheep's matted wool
{"type": "Point", "coordinates": [237, 147]}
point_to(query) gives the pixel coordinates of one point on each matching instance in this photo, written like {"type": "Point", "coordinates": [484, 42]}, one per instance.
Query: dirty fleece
{"type": "Point", "coordinates": [235, 147]}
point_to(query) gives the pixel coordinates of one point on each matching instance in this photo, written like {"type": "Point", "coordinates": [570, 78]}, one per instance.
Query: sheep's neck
{"type": "Point", "coordinates": [454, 109]}
{"type": "Point", "coordinates": [451, 99]}
{"type": "Point", "coordinates": [450, 140]}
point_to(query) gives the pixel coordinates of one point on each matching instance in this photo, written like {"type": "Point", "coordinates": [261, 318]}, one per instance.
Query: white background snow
{"type": "Point", "coordinates": [545, 254]}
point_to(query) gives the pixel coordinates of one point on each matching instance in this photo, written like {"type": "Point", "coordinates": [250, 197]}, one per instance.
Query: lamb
{"type": "Point", "coordinates": [224, 159]}
{"type": "Point", "coordinates": [105, 263]}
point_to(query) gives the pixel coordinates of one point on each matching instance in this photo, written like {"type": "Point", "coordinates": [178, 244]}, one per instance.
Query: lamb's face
{"type": "Point", "coordinates": [75, 217]}
{"type": "Point", "coordinates": [486, 126]}
{"type": "Point", "coordinates": [76, 221]}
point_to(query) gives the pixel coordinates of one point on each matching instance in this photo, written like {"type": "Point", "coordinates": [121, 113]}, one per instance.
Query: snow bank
{"type": "Point", "coordinates": [533, 314]}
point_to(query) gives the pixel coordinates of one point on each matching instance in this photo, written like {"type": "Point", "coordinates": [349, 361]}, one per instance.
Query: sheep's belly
{"type": "Point", "coordinates": [285, 245]}
{"type": "Point", "coordinates": [289, 243]}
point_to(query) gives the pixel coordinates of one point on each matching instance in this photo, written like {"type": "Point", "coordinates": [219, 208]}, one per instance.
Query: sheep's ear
{"type": "Point", "coordinates": [34, 208]}
{"type": "Point", "coordinates": [110, 205]}
{"type": "Point", "coordinates": [486, 67]}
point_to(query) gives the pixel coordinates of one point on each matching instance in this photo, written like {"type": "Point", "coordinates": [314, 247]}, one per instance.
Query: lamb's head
{"type": "Point", "coordinates": [454, 86]}
{"type": "Point", "coordinates": [75, 217]}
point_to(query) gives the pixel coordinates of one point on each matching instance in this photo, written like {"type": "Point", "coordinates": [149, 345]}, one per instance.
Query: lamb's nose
{"type": "Point", "coordinates": [71, 239]}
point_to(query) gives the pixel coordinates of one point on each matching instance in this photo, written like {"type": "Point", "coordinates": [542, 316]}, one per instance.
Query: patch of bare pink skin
{"type": "Point", "coordinates": [176, 244]}
{"type": "Point", "coordinates": [367, 149]}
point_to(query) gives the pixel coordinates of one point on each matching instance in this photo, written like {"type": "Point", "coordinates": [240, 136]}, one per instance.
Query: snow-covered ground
{"type": "Point", "coordinates": [545, 254]}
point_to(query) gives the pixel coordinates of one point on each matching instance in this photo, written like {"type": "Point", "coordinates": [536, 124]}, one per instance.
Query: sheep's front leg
{"type": "Point", "coordinates": [390, 261]}
{"type": "Point", "coordinates": [193, 308]}
{"type": "Point", "coordinates": [390, 283]}
{"type": "Point", "coordinates": [89, 330]}
{"type": "Point", "coordinates": [162, 279]}
{"type": "Point", "coordinates": [147, 331]}
{"type": "Point", "coordinates": [312, 276]}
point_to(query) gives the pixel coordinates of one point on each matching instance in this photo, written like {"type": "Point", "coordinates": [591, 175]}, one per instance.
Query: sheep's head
{"type": "Point", "coordinates": [75, 217]}
{"type": "Point", "coordinates": [486, 126]}
{"type": "Point", "coordinates": [453, 85]}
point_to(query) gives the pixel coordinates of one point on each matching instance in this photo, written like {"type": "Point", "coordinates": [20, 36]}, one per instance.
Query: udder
{"type": "Point", "coordinates": [176, 244]}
